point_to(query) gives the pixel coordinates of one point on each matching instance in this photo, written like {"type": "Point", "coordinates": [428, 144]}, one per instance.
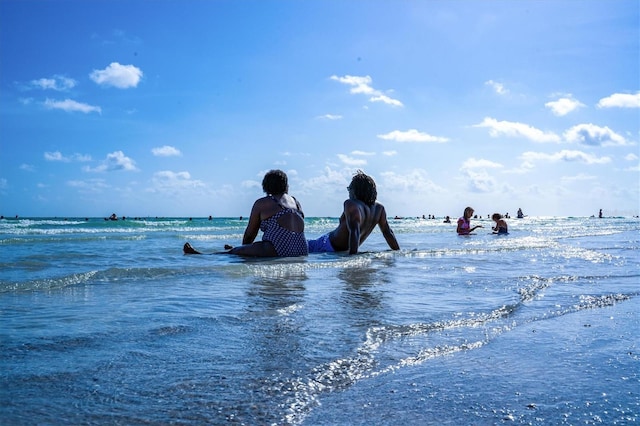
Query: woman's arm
{"type": "Point", "coordinates": [251, 232]}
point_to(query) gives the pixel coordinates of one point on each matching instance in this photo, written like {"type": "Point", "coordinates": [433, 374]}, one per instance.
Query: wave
{"type": "Point", "coordinates": [388, 348]}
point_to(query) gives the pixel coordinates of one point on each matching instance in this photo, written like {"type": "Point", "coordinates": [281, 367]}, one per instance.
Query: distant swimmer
{"type": "Point", "coordinates": [520, 214]}
{"type": "Point", "coordinates": [501, 225]}
{"type": "Point", "coordinates": [447, 219]}
{"type": "Point", "coordinates": [464, 223]}
{"type": "Point", "coordinates": [361, 214]}
{"type": "Point", "coordinates": [600, 214]}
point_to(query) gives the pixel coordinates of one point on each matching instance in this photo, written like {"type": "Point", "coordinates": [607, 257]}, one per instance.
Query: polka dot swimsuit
{"type": "Point", "coordinates": [287, 243]}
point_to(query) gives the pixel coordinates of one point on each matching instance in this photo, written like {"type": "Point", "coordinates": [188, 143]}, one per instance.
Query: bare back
{"type": "Point", "coordinates": [357, 222]}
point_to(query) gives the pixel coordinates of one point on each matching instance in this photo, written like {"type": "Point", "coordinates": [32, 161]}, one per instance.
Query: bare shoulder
{"type": "Point", "coordinates": [379, 211]}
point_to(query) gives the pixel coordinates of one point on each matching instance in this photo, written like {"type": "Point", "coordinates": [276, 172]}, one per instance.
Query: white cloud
{"type": "Point", "coordinates": [474, 171]}
{"type": "Point", "coordinates": [386, 99]}
{"type": "Point", "coordinates": [329, 117]}
{"type": "Point", "coordinates": [578, 178]}
{"type": "Point", "coordinates": [251, 184]}
{"type": "Point", "coordinates": [479, 180]}
{"type": "Point", "coordinates": [114, 162]}
{"type": "Point", "coordinates": [362, 85]}
{"type": "Point", "coordinates": [27, 167]}
{"type": "Point", "coordinates": [166, 151]}
{"type": "Point", "coordinates": [497, 87]}
{"type": "Point", "coordinates": [70, 105]}
{"type": "Point", "coordinates": [359, 84]}
{"type": "Point", "coordinates": [390, 153]}
{"type": "Point", "coordinates": [590, 134]}
{"type": "Point", "coordinates": [564, 106]}
{"type": "Point", "coordinates": [363, 153]}
{"type": "Point", "coordinates": [564, 155]}
{"type": "Point", "coordinates": [473, 163]}
{"type": "Point", "coordinates": [631, 157]}
{"type": "Point", "coordinates": [514, 129]}
{"type": "Point", "coordinates": [350, 161]}
{"type": "Point", "coordinates": [411, 135]}
{"type": "Point", "coordinates": [88, 186]}
{"type": "Point", "coordinates": [116, 75]}
{"type": "Point", "coordinates": [57, 156]}
{"type": "Point", "coordinates": [620, 100]}
{"type": "Point", "coordinates": [415, 181]}
{"type": "Point", "coordinates": [328, 179]}
{"type": "Point", "coordinates": [168, 181]}
{"type": "Point", "coordinates": [57, 82]}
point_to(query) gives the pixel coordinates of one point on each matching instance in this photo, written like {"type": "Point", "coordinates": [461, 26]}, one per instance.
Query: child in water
{"type": "Point", "coordinates": [501, 225]}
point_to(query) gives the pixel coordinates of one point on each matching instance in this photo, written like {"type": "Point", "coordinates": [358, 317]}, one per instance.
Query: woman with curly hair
{"type": "Point", "coordinates": [279, 216]}
{"type": "Point", "coordinates": [361, 213]}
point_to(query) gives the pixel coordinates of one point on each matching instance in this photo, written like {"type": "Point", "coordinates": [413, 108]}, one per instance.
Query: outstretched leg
{"type": "Point", "coordinates": [188, 249]}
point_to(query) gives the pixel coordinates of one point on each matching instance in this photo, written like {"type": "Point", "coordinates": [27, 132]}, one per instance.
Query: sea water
{"type": "Point", "coordinates": [107, 322]}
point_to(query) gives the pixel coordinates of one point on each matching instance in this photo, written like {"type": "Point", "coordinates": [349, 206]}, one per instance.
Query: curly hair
{"type": "Point", "coordinates": [364, 188]}
{"type": "Point", "coordinates": [275, 182]}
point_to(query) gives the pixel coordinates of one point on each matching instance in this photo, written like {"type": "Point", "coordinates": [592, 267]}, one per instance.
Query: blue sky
{"type": "Point", "coordinates": [178, 108]}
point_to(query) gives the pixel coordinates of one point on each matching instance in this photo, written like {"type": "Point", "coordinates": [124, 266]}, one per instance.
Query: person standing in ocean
{"type": "Point", "coordinates": [464, 223]}
{"type": "Point", "coordinates": [279, 216]}
{"type": "Point", "coordinates": [360, 215]}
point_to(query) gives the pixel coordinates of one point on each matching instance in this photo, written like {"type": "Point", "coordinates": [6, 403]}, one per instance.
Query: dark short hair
{"type": "Point", "coordinates": [364, 188]}
{"type": "Point", "coordinates": [496, 216]}
{"type": "Point", "coordinates": [275, 182]}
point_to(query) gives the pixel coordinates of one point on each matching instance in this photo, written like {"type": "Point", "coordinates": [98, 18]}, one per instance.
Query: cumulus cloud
{"type": "Point", "coordinates": [497, 87]}
{"type": "Point", "coordinates": [515, 129]}
{"type": "Point", "coordinates": [70, 105]}
{"type": "Point", "coordinates": [115, 161]}
{"type": "Point", "coordinates": [350, 161]}
{"type": "Point", "coordinates": [416, 181]}
{"type": "Point", "coordinates": [480, 180]}
{"type": "Point", "coordinates": [169, 181]}
{"type": "Point", "coordinates": [564, 106]}
{"type": "Point", "coordinates": [328, 179]}
{"type": "Point", "coordinates": [564, 155]}
{"type": "Point", "coordinates": [166, 151]}
{"type": "Point", "coordinates": [590, 134]}
{"type": "Point", "coordinates": [631, 157]}
{"type": "Point", "coordinates": [117, 75]}
{"type": "Point", "coordinates": [620, 100]}
{"type": "Point", "coordinates": [57, 82]}
{"type": "Point", "coordinates": [362, 85]}
{"type": "Point", "coordinates": [412, 135]}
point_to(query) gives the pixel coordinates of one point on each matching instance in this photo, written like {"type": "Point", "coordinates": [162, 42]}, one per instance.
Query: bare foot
{"type": "Point", "coordinates": [187, 249]}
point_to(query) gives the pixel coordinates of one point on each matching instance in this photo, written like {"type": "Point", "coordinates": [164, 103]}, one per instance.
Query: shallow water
{"type": "Point", "coordinates": [108, 322]}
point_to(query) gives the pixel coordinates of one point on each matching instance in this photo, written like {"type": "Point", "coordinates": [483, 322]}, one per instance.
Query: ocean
{"type": "Point", "coordinates": [107, 322]}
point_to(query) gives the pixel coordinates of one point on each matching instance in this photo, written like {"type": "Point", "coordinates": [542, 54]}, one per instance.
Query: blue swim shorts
{"type": "Point", "coordinates": [320, 245]}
